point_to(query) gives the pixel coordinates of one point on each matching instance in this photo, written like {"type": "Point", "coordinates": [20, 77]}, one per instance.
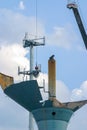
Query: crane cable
{"type": "Point", "coordinates": [36, 2]}
{"type": "Point", "coordinates": [36, 18]}
{"type": "Point", "coordinates": [36, 31]}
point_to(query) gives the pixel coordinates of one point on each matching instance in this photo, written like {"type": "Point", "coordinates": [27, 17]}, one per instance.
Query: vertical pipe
{"type": "Point", "coordinates": [52, 77]}
{"type": "Point", "coordinates": [31, 61]}
{"type": "Point", "coordinates": [31, 78]}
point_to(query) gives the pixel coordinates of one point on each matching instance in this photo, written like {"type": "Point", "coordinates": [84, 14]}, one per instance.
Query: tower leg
{"type": "Point", "coordinates": [31, 121]}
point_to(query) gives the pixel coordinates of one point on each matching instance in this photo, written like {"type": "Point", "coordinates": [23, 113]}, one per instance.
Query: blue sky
{"type": "Point", "coordinates": [63, 39]}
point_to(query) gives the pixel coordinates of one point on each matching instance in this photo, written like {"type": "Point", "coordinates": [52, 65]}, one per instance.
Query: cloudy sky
{"type": "Point", "coordinates": [63, 39]}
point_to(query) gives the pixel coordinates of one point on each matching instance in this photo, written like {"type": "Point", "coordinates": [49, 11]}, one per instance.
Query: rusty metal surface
{"type": "Point", "coordinates": [5, 80]}
{"type": "Point", "coordinates": [52, 77]}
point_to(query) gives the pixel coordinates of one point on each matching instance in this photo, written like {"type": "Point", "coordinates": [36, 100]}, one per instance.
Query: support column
{"type": "Point", "coordinates": [31, 78]}
{"type": "Point", "coordinates": [31, 61]}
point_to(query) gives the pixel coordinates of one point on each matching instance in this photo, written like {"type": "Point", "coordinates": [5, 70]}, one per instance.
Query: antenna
{"type": "Point", "coordinates": [31, 43]}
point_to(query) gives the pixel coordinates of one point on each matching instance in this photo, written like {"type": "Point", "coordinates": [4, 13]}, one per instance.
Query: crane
{"type": "Point", "coordinates": [74, 7]}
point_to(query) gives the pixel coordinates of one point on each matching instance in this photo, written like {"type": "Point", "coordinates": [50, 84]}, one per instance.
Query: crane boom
{"type": "Point", "coordinates": [74, 7]}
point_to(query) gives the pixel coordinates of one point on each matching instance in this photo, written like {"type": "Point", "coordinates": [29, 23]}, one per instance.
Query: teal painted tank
{"type": "Point", "coordinates": [46, 115]}
{"type": "Point", "coordinates": [52, 118]}
{"type": "Point", "coordinates": [49, 115]}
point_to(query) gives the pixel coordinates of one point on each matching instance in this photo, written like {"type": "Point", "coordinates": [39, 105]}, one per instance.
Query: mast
{"type": "Point", "coordinates": [31, 78]}
{"type": "Point", "coordinates": [31, 61]}
{"type": "Point", "coordinates": [32, 43]}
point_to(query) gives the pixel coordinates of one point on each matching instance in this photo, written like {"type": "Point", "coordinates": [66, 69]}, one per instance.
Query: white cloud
{"type": "Point", "coordinates": [21, 5]}
{"type": "Point", "coordinates": [78, 120]}
{"type": "Point", "coordinates": [80, 93]}
{"type": "Point", "coordinates": [62, 92]}
{"type": "Point", "coordinates": [13, 56]}
{"type": "Point", "coordinates": [14, 25]}
{"type": "Point", "coordinates": [12, 115]}
{"type": "Point", "coordinates": [64, 37]}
